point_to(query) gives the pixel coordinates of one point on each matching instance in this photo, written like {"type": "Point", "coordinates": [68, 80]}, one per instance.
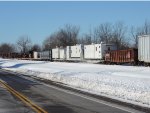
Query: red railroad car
{"type": "Point", "coordinates": [122, 56]}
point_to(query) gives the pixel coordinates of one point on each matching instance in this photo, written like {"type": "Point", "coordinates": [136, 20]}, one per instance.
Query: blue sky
{"type": "Point", "coordinates": [39, 19]}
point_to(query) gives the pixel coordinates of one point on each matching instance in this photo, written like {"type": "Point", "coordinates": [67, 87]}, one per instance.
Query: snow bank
{"type": "Point", "coordinates": [127, 83]}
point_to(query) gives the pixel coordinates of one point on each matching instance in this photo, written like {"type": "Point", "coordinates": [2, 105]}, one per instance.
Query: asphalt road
{"type": "Point", "coordinates": [51, 98]}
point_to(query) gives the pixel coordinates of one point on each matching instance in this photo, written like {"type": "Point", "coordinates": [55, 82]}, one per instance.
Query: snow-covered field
{"type": "Point", "coordinates": [126, 83]}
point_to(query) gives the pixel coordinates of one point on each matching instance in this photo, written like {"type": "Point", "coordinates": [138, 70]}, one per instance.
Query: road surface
{"type": "Point", "coordinates": [50, 98]}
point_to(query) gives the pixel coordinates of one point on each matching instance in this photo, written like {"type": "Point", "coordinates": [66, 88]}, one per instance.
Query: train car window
{"type": "Point", "coordinates": [99, 46]}
{"type": "Point", "coordinates": [96, 48]}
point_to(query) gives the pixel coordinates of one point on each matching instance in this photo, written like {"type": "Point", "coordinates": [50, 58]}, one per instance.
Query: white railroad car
{"type": "Point", "coordinates": [45, 55]}
{"type": "Point", "coordinates": [68, 52]}
{"type": "Point", "coordinates": [76, 51]}
{"type": "Point", "coordinates": [55, 53]}
{"type": "Point", "coordinates": [144, 48]}
{"type": "Point", "coordinates": [35, 55]}
{"type": "Point", "coordinates": [89, 51]}
{"type": "Point", "coordinates": [62, 52]}
{"type": "Point", "coordinates": [97, 51]}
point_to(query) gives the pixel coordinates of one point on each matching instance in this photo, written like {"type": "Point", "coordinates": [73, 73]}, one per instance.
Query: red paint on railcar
{"type": "Point", "coordinates": [122, 56]}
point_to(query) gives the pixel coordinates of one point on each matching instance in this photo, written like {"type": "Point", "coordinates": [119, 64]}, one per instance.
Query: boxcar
{"type": "Point", "coordinates": [76, 51]}
{"type": "Point", "coordinates": [45, 55]}
{"type": "Point", "coordinates": [97, 51]}
{"type": "Point", "coordinates": [62, 52]}
{"type": "Point", "coordinates": [144, 48]}
{"type": "Point", "coordinates": [122, 56]}
{"type": "Point", "coordinates": [56, 53]}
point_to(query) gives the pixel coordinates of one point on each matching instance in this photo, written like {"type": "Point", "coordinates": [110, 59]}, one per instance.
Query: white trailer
{"type": "Point", "coordinates": [89, 51]}
{"type": "Point", "coordinates": [68, 52]}
{"type": "Point", "coordinates": [76, 51]}
{"type": "Point", "coordinates": [35, 55]}
{"type": "Point", "coordinates": [144, 48]}
{"type": "Point", "coordinates": [45, 55]}
{"type": "Point", "coordinates": [62, 52]}
{"type": "Point", "coordinates": [97, 51]}
{"type": "Point", "coordinates": [55, 53]}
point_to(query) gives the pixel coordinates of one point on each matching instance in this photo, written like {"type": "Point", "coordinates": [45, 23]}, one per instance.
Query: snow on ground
{"type": "Point", "coordinates": [126, 83]}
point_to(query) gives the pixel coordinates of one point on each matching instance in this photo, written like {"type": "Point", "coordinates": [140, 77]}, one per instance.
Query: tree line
{"type": "Point", "coordinates": [117, 33]}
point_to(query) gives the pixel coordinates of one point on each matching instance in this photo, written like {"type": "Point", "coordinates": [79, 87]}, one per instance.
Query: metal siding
{"type": "Point", "coordinates": [103, 47]}
{"type": "Point", "coordinates": [76, 51]}
{"type": "Point", "coordinates": [122, 56]}
{"type": "Point", "coordinates": [62, 53]}
{"type": "Point", "coordinates": [149, 48]}
{"type": "Point", "coordinates": [142, 52]}
{"type": "Point", "coordinates": [93, 51]}
{"type": "Point", "coordinates": [146, 51]}
{"type": "Point", "coordinates": [35, 55]}
{"type": "Point", "coordinates": [44, 55]}
{"type": "Point", "coordinates": [89, 51]}
{"type": "Point", "coordinates": [139, 48]}
{"type": "Point", "coordinates": [144, 48]}
{"type": "Point", "coordinates": [55, 53]}
{"type": "Point", "coordinates": [98, 52]}
{"type": "Point", "coordinates": [68, 52]}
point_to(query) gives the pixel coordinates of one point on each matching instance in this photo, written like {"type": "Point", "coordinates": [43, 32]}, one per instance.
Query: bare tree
{"type": "Point", "coordinates": [36, 47]}
{"type": "Point", "coordinates": [135, 32]}
{"type": "Point", "coordinates": [24, 44]}
{"type": "Point", "coordinates": [140, 30]}
{"type": "Point", "coordinates": [70, 34]}
{"type": "Point", "coordinates": [7, 48]}
{"type": "Point", "coordinates": [118, 37]}
{"type": "Point", "coordinates": [102, 33]}
{"type": "Point", "coordinates": [86, 39]}
{"type": "Point", "coordinates": [63, 37]}
{"type": "Point", "coordinates": [146, 28]}
{"type": "Point", "coordinates": [50, 42]}
{"type": "Point", "coordinates": [111, 33]}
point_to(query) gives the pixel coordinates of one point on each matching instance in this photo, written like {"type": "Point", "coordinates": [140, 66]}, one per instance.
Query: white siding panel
{"type": "Point", "coordinates": [139, 48]}
{"type": "Point", "coordinates": [35, 55]}
{"type": "Point", "coordinates": [45, 55]}
{"type": "Point", "coordinates": [62, 53]}
{"type": "Point", "coordinates": [68, 52]}
{"type": "Point", "coordinates": [97, 51]}
{"type": "Point", "coordinates": [55, 53]}
{"type": "Point", "coordinates": [76, 51]}
{"type": "Point", "coordinates": [144, 48]}
{"type": "Point", "coordinates": [89, 51]}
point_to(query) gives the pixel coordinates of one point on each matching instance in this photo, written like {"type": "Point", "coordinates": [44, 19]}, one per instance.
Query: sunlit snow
{"type": "Point", "coordinates": [126, 83]}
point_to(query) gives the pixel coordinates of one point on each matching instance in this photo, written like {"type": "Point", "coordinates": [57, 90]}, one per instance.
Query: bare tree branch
{"type": "Point", "coordinates": [24, 44]}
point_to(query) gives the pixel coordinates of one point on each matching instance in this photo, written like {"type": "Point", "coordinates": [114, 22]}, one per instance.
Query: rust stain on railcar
{"type": "Point", "coordinates": [122, 56]}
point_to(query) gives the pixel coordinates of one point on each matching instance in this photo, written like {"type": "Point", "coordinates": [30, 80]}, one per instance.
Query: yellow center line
{"type": "Point", "coordinates": [23, 98]}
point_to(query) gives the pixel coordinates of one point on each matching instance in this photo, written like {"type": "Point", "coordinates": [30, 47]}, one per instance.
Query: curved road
{"type": "Point", "coordinates": [51, 98]}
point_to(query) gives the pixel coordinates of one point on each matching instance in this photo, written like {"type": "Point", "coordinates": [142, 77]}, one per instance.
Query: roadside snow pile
{"type": "Point", "coordinates": [127, 83]}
